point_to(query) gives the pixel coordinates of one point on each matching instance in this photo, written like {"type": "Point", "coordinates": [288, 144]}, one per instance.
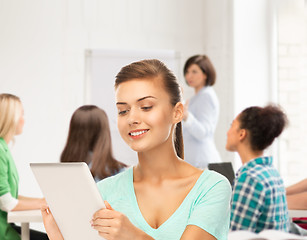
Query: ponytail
{"type": "Point", "coordinates": [178, 140]}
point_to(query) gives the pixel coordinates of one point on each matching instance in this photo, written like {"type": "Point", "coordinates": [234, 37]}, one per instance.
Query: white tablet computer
{"type": "Point", "coordinates": [72, 196]}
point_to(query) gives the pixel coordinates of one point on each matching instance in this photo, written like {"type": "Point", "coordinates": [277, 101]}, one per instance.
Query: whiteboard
{"type": "Point", "coordinates": [101, 67]}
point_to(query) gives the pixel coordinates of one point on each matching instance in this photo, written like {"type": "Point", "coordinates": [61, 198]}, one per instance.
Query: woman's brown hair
{"type": "Point", "coordinates": [89, 140]}
{"type": "Point", "coordinates": [205, 65]}
{"type": "Point", "coordinates": [151, 69]}
{"type": "Point", "coordinates": [263, 124]}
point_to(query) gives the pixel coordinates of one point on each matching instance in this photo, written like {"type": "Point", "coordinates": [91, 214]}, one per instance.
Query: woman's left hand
{"type": "Point", "coordinates": [185, 111]}
{"type": "Point", "coordinates": [51, 227]}
{"type": "Point", "coordinates": [114, 225]}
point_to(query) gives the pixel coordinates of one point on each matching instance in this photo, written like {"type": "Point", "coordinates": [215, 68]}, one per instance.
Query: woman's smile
{"type": "Point", "coordinates": [135, 134]}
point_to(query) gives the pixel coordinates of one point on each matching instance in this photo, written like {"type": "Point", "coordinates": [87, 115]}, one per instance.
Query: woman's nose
{"type": "Point", "coordinates": [133, 118]}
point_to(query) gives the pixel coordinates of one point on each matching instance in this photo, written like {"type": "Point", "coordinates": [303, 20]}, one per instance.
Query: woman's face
{"type": "Point", "coordinates": [21, 121]}
{"type": "Point", "coordinates": [145, 119]}
{"type": "Point", "coordinates": [195, 77]}
{"type": "Point", "coordinates": [233, 135]}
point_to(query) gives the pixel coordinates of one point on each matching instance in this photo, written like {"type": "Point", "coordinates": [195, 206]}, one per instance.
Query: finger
{"type": "Point", "coordinates": [44, 205]}
{"type": "Point", "coordinates": [108, 206]}
{"type": "Point", "coordinates": [99, 222]}
{"type": "Point", "coordinates": [103, 213]}
{"type": "Point", "coordinates": [45, 210]}
{"type": "Point", "coordinates": [102, 230]}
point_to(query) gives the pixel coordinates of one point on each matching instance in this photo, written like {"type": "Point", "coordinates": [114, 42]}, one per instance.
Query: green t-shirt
{"type": "Point", "coordinates": [207, 205]}
{"type": "Point", "coordinates": [9, 180]}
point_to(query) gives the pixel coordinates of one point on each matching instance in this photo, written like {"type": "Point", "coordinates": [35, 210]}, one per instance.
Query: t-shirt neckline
{"type": "Point", "coordinates": [139, 216]}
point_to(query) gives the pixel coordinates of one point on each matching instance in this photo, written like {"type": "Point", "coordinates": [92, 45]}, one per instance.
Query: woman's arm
{"type": "Point", "coordinates": [297, 188]}
{"type": "Point", "coordinates": [27, 203]}
{"type": "Point", "coordinates": [297, 201]}
{"type": "Point", "coordinates": [202, 122]}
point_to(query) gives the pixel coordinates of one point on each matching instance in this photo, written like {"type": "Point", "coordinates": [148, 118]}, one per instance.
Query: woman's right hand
{"type": "Point", "coordinates": [185, 110]}
{"type": "Point", "coordinates": [51, 227]}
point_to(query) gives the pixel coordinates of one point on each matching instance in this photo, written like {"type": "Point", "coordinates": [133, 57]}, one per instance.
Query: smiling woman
{"type": "Point", "coordinates": [162, 197]}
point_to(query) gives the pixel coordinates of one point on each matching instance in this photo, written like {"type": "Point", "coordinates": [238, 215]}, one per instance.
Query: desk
{"type": "Point", "coordinates": [25, 217]}
{"type": "Point", "coordinates": [297, 213]}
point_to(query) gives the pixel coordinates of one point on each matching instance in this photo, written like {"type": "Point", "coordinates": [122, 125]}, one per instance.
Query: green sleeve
{"type": "Point", "coordinates": [4, 185]}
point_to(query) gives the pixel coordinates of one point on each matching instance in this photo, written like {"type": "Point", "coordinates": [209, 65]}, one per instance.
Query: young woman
{"type": "Point", "coordinates": [162, 197]}
{"type": "Point", "coordinates": [201, 113]}
{"type": "Point", "coordinates": [259, 197]}
{"type": "Point", "coordinates": [89, 140]}
{"type": "Point", "coordinates": [11, 124]}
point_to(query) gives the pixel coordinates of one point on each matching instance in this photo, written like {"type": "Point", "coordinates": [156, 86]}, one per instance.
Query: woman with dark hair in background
{"type": "Point", "coordinates": [162, 197]}
{"type": "Point", "coordinates": [89, 140]}
{"type": "Point", "coordinates": [201, 113]}
{"type": "Point", "coordinates": [259, 196]}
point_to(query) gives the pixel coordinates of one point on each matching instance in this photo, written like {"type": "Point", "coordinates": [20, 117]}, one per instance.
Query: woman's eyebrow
{"type": "Point", "coordinates": [139, 100]}
{"type": "Point", "coordinates": [121, 103]}
{"type": "Point", "coordinates": [143, 98]}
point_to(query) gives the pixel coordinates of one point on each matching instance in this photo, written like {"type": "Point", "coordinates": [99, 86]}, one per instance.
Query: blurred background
{"type": "Point", "coordinates": [259, 49]}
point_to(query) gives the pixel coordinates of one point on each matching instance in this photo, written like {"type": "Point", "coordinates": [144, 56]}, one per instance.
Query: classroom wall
{"type": "Point", "coordinates": [42, 47]}
{"type": "Point", "coordinates": [292, 72]}
{"type": "Point", "coordinates": [254, 58]}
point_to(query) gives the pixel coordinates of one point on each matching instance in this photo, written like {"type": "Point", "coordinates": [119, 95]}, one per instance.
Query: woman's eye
{"type": "Point", "coordinates": [147, 108]}
{"type": "Point", "coordinates": [122, 112]}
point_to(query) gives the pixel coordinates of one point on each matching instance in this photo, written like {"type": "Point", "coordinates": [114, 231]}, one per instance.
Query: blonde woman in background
{"type": "Point", "coordinates": [11, 124]}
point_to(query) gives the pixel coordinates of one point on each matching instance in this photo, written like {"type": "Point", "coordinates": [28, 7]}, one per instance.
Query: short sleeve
{"type": "Point", "coordinates": [7, 202]}
{"type": "Point", "coordinates": [4, 185]}
{"type": "Point", "coordinates": [211, 211]}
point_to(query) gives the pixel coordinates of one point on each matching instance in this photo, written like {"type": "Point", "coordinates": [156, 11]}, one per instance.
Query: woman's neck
{"type": "Point", "coordinates": [197, 89]}
{"type": "Point", "coordinates": [7, 139]}
{"type": "Point", "coordinates": [157, 164]}
{"type": "Point", "coordinates": [247, 154]}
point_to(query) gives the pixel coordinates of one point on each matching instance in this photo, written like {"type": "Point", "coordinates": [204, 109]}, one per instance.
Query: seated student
{"type": "Point", "coordinates": [89, 140]}
{"type": "Point", "coordinates": [162, 197]}
{"type": "Point", "coordinates": [11, 124]}
{"type": "Point", "coordinates": [259, 196]}
{"type": "Point", "coordinates": [297, 195]}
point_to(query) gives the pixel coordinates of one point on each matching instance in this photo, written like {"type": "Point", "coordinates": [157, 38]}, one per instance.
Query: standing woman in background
{"type": "Point", "coordinates": [89, 140]}
{"type": "Point", "coordinates": [11, 124]}
{"type": "Point", "coordinates": [201, 113]}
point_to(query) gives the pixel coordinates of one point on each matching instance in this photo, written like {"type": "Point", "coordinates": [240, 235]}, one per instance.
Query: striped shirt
{"type": "Point", "coordinates": [259, 198]}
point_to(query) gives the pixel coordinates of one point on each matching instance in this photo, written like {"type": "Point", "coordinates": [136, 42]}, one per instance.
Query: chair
{"type": "Point", "coordinates": [224, 168]}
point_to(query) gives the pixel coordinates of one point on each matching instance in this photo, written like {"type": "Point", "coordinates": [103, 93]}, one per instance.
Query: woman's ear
{"type": "Point", "coordinates": [243, 134]}
{"type": "Point", "coordinates": [178, 112]}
